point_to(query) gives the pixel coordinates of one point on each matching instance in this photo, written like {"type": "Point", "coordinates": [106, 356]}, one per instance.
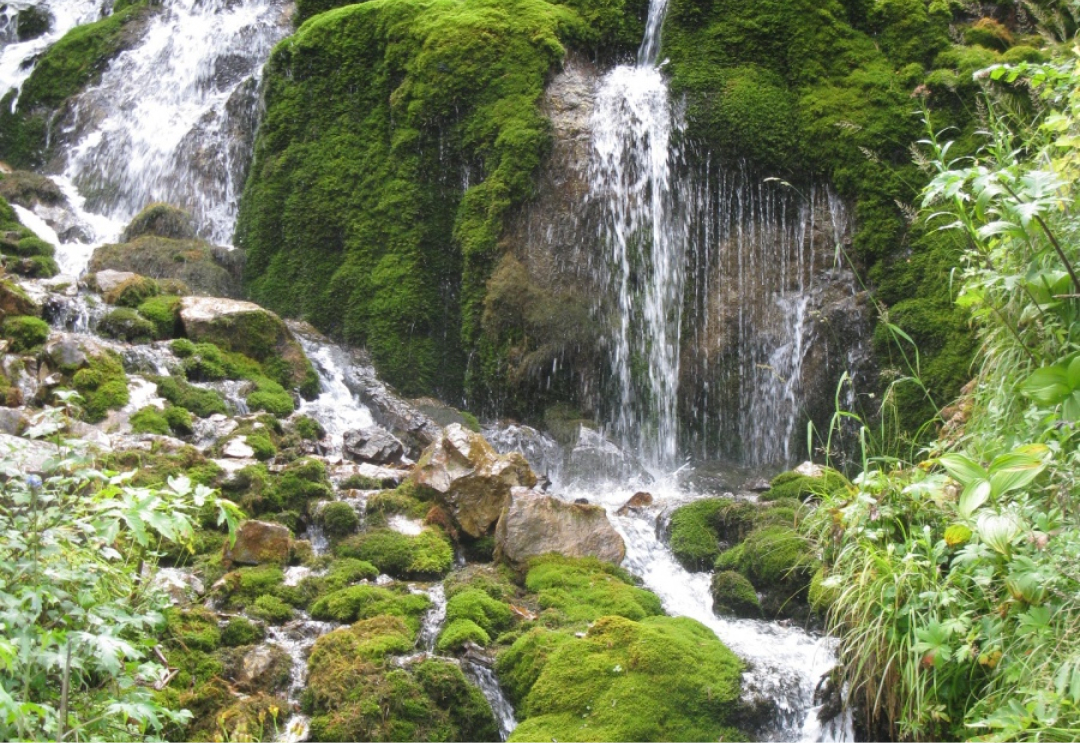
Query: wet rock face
{"type": "Point", "coordinates": [373, 445]}
{"type": "Point", "coordinates": [534, 524]}
{"type": "Point", "coordinates": [259, 542]}
{"type": "Point", "coordinates": [472, 480]}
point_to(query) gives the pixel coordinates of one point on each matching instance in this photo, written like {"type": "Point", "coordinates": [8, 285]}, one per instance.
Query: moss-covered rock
{"type": "Point", "coordinates": [241, 631]}
{"type": "Point", "coordinates": [734, 595]}
{"type": "Point", "coordinates": [102, 384]}
{"type": "Point", "coordinates": [812, 481]}
{"type": "Point", "coordinates": [433, 88]}
{"type": "Point", "coordinates": [339, 519]}
{"type": "Point", "coordinates": [271, 609]}
{"type": "Point", "coordinates": [163, 312]}
{"type": "Point", "coordinates": [199, 266]}
{"type": "Point", "coordinates": [425, 555]}
{"type": "Point", "coordinates": [693, 538]}
{"type": "Point", "coordinates": [193, 629]}
{"type": "Point", "coordinates": [585, 589]}
{"type": "Point", "coordinates": [355, 694]}
{"type": "Point", "coordinates": [24, 333]}
{"type": "Point", "coordinates": [201, 402]}
{"type": "Point", "coordinates": [365, 602]}
{"type": "Point", "coordinates": [150, 420]}
{"type": "Point", "coordinates": [662, 678]}
{"type": "Point", "coordinates": [15, 301]}
{"type": "Point", "coordinates": [162, 220]}
{"type": "Point", "coordinates": [132, 292]}
{"type": "Point", "coordinates": [30, 189]}
{"type": "Point", "coordinates": [127, 325]}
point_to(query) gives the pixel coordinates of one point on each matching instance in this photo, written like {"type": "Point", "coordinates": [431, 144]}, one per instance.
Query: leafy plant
{"type": "Point", "coordinates": [79, 611]}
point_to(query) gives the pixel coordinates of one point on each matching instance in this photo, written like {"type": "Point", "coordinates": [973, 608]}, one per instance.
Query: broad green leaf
{"type": "Point", "coordinates": [974, 495]}
{"type": "Point", "coordinates": [964, 469]}
{"type": "Point", "coordinates": [1047, 386]}
{"type": "Point", "coordinates": [1071, 410]}
{"type": "Point", "coordinates": [1013, 471]}
{"type": "Point", "coordinates": [998, 531]}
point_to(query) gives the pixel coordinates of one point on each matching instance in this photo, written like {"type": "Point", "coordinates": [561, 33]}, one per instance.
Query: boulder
{"type": "Point", "coordinates": [637, 502]}
{"type": "Point", "coordinates": [596, 459]}
{"type": "Point", "coordinates": [182, 587]}
{"type": "Point", "coordinates": [259, 542]}
{"type": "Point", "coordinates": [27, 455]}
{"type": "Point", "coordinates": [110, 280]}
{"type": "Point", "coordinates": [249, 329]}
{"type": "Point", "coordinates": [238, 448]}
{"type": "Point", "coordinates": [12, 421]}
{"type": "Point", "coordinates": [534, 524]}
{"type": "Point", "coordinates": [15, 301]}
{"type": "Point", "coordinates": [204, 268]}
{"type": "Point", "coordinates": [373, 445]}
{"type": "Point", "coordinates": [472, 480]}
{"type": "Point", "coordinates": [264, 668]}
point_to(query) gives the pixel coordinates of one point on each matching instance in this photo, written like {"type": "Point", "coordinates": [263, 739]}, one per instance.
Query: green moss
{"type": "Point", "coordinates": [365, 602]}
{"type": "Point", "coordinates": [339, 519]}
{"type": "Point", "coordinates": [150, 420]}
{"type": "Point", "coordinates": [425, 555]}
{"type": "Point", "coordinates": [103, 386]}
{"type": "Point", "coordinates": [243, 588]}
{"type": "Point", "coordinates": [496, 582]}
{"type": "Point", "coordinates": [24, 333]}
{"type": "Point", "coordinates": [354, 694]}
{"type": "Point", "coordinates": [262, 445]}
{"type": "Point", "coordinates": [182, 347]}
{"type": "Point", "coordinates": [133, 292]}
{"type": "Point", "coordinates": [519, 666]}
{"type": "Point", "coordinates": [308, 428]}
{"type": "Point", "coordinates": [179, 420]}
{"type": "Point", "coordinates": [127, 325]}
{"type": "Point", "coordinates": [392, 501]}
{"type": "Point", "coordinates": [30, 246]}
{"type": "Point", "coordinates": [734, 595]}
{"type": "Point", "coordinates": [163, 220]}
{"type": "Point", "coordinates": [181, 267]}
{"type": "Point", "coordinates": [241, 631]}
{"type": "Point", "coordinates": [777, 556]}
{"type": "Point", "coordinates": [342, 573]}
{"type": "Point", "coordinates": [585, 589]}
{"type": "Point", "coordinates": [693, 538]}
{"type": "Point", "coordinates": [202, 403]}
{"type": "Point", "coordinates": [395, 95]}
{"type": "Point", "coordinates": [271, 609]}
{"type": "Point", "coordinates": [457, 633]}
{"type": "Point", "coordinates": [730, 559]}
{"type": "Point", "coordinates": [477, 606]}
{"type": "Point", "coordinates": [164, 313]}
{"type": "Point", "coordinates": [271, 397]}
{"type": "Point", "coordinates": [796, 486]}
{"type": "Point", "coordinates": [193, 629]}
{"type": "Point", "coordinates": [662, 678]}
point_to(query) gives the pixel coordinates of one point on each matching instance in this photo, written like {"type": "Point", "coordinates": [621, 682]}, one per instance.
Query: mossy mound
{"type": "Point", "coordinates": [241, 631]}
{"type": "Point", "coordinates": [796, 485]}
{"type": "Point", "coordinates": [30, 189]}
{"type": "Point", "coordinates": [777, 560]}
{"type": "Point", "coordinates": [162, 220]}
{"type": "Point", "coordinates": [584, 589]}
{"type": "Point", "coordinates": [194, 262]}
{"type": "Point", "coordinates": [693, 538]}
{"type": "Point", "coordinates": [24, 333]}
{"type": "Point", "coordinates": [425, 555]}
{"type": "Point", "coordinates": [662, 678]}
{"type": "Point", "coordinates": [340, 574]}
{"type": "Point", "coordinates": [198, 401]}
{"type": "Point", "coordinates": [103, 385]}
{"type": "Point", "coordinates": [194, 629]}
{"type": "Point", "coordinates": [339, 519]}
{"type": "Point", "coordinates": [132, 292]}
{"type": "Point", "coordinates": [127, 325]}
{"type": "Point", "coordinates": [479, 609]}
{"type": "Point", "coordinates": [365, 602]}
{"type": "Point", "coordinates": [734, 595]}
{"type": "Point", "coordinates": [396, 96]}
{"type": "Point", "coordinates": [354, 693]}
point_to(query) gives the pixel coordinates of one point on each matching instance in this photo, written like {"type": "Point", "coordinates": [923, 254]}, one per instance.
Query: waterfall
{"type": "Point", "coordinates": [631, 179]}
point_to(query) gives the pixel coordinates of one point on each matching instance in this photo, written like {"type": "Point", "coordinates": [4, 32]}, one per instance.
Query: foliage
{"type": "Point", "coordinates": [79, 619]}
{"type": "Point", "coordinates": [953, 584]}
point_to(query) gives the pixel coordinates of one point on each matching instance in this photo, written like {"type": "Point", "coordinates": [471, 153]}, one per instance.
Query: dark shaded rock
{"type": "Point", "coordinates": [534, 524]}
{"type": "Point", "coordinates": [373, 445]}
{"type": "Point", "coordinates": [734, 595]}
{"type": "Point", "coordinates": [204, 268]}
{"type": "Point", "coordinates": [162, 220]}
{"type": "Point", "coordinates": [472, 480]}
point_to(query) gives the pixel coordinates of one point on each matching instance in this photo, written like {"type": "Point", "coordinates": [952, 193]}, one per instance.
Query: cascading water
{"type": "Point", "coordinates": [631, 179]}
{"type": "Point", "coordinates": [173, 117]}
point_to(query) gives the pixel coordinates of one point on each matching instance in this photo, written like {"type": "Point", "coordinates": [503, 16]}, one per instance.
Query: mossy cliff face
{"type": "Point", "coordinates": [396, 137]}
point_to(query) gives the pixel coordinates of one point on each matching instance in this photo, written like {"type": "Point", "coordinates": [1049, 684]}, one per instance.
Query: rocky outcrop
{"type": "Point", "coordinates": [473, 482]}
{"type": "Point", "coordinates": [372, 445]}
{"type": "Point", "coordinates": [259, 542]}
{"type": "Point", "coordinates": [246, 328]}
{"type": "Point", "coordinates": [534, 524]}
{"type": "Point", "coordinates": [203, 267]}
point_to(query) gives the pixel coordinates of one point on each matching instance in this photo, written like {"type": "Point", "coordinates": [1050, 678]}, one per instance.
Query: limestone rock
{"type": "Point", "coordinates": [264, 668]}
{"type": "Point", "coordinates": [182, 587]}
{"type": "Point", "coordinates": [534, 524]}
{"type": "Point", "coordinates": [12, 421]}
{"type": "Point", "coordinates": [809, 469]}
{"type": "Point", "coordinates": [249, 329]}
{"type": "Point", "coordinates": [26, 454]}
{"type": "Point", "coordinates": [259, 542]}
{"type": "Point", "coordinates": [472, 480]}
{"type": "Point", "coordinates": [637, 502]}
{"type": "Point", "coordinates": [109, 280]}
{"type": "Point", "coordinates": [373, 445]}
{"type": "Point", "coordinates": [238, 449]}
